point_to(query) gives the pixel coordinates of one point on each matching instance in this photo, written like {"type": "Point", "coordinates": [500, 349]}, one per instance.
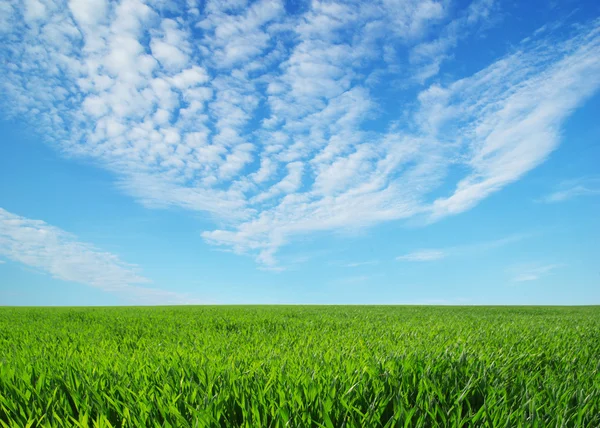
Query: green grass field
{"type": "Point", "coordinates": [302, 366]}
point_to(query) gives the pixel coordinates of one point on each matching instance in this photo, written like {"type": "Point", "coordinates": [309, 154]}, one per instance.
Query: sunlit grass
{"type": "Point", "coordinates": [300, 366]}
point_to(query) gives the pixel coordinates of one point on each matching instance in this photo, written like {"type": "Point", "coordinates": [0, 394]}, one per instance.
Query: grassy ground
{"type": "Point", "coordinates": [302, 366]}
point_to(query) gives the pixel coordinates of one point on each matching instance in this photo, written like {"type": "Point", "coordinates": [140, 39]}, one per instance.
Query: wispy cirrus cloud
{"type": "Point", "coordinates": [358, 264]}
{"type": "Point", "coordinates": [51, 250]}
{"type": "Point", "coordinates": [518, 130]}
{"type": "Point", "coordinates": [431, 254]}
{"type": "Point", "coordinates": [423, 256]}
{"type": "Point", "coordinates": [574, 188]}
{"type": "Point", "coordinates": [428, 56]}
{"type": "Point", "coordinates": [534, 272]}
{"type": "Point", "coordinates": [260, 116]}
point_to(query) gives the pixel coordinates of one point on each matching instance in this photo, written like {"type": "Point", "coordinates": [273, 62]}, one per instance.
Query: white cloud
{"type": "Point", "coordinates": [533, 273]}
{"type": "Point", "coordinates": [35, 10]}
{"type": "Point", "coordinates": [422, 256]}
{"type": "Point", "coordinates": [358, 264]}
{"type": "Point", "coordinates": [7, 13]}
{"type": "Point", "coordinates": [513, 115]}
{"type": "Point", "coordinates": [168, 55]}
{"type": "Point", "coordinates": [266, 120]}
{"type": "Point", "coordinates": [569, 189]}
{"type": "Point", "coordinates": [95, 106]}
{"type": "Point", "coordinates": [410, 19]}
{"type": "Point", "coordinates": [2, 262]}
{"type": "Point", "coordinates": [428, 56]}
{"type": "Point", "coordinates": [190, 77]}
{"type": "Point", "coordinates": [289, 184]}
{"type": "Point", "coordinates": [41, 246]}
{"type": "Point", "coordinates": [461, 250]}
{"type": "Point", "coordinates": [88, 13]}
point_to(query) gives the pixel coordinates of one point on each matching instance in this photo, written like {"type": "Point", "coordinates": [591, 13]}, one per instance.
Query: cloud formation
{"type": "Point", "coordinates": [570, 189]}
{"type": "Point", "coordinates": [533, 273]}
{"type": "Point", "coordinates": [51, 250]}
{"type": "Point", "coordinates": [427, 255]}
{"type": "Point", "coordinates": [262, 116]}
{"type": "Point", "coordinates": [359, 264]}
{"type": "Point", "coordinates": [422, 256]}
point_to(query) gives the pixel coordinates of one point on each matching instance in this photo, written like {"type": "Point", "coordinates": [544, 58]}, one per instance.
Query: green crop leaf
{"type": "Point", "coordinates": [299, 366]}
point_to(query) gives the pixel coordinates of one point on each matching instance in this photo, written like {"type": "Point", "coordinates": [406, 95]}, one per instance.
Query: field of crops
{"type": "Point", "coordinates": [302, 366]}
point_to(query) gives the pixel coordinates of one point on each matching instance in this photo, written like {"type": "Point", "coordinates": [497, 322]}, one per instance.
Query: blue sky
{"type": "Point", "coordinates": [395, 152]}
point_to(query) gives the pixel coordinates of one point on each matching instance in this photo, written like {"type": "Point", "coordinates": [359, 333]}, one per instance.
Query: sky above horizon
{"type": "Point", "coordinates": [240, 152]}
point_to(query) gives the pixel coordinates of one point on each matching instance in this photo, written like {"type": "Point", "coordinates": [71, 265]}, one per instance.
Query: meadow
{"type": "Point", "coordinates": [300, 366]}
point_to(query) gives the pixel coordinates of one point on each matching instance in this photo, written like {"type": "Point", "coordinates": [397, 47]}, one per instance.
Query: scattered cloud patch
{"type": "Point", "coordinates": [261, 118]}
{"type": "Point", "coordinates": [426, 255]}
{"type": "Point", "coordinates": [428, 56]}
{"type": "Point", "coordinates": [479, 247]}
{"type": "Point", "coordinates": [358, 264]}
{"type": "Point", "coordinates": [422, 256]}
{"type": "Point", "coordinates": [570, 189]}
{"type": "Point", "coordinates": [49, 249]}
{"type": "Point", "coordinates": [533, 273]}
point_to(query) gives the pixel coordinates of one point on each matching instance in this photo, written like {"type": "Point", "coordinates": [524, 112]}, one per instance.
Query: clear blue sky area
{"type": "Point", "coordinates": [234, 152]}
